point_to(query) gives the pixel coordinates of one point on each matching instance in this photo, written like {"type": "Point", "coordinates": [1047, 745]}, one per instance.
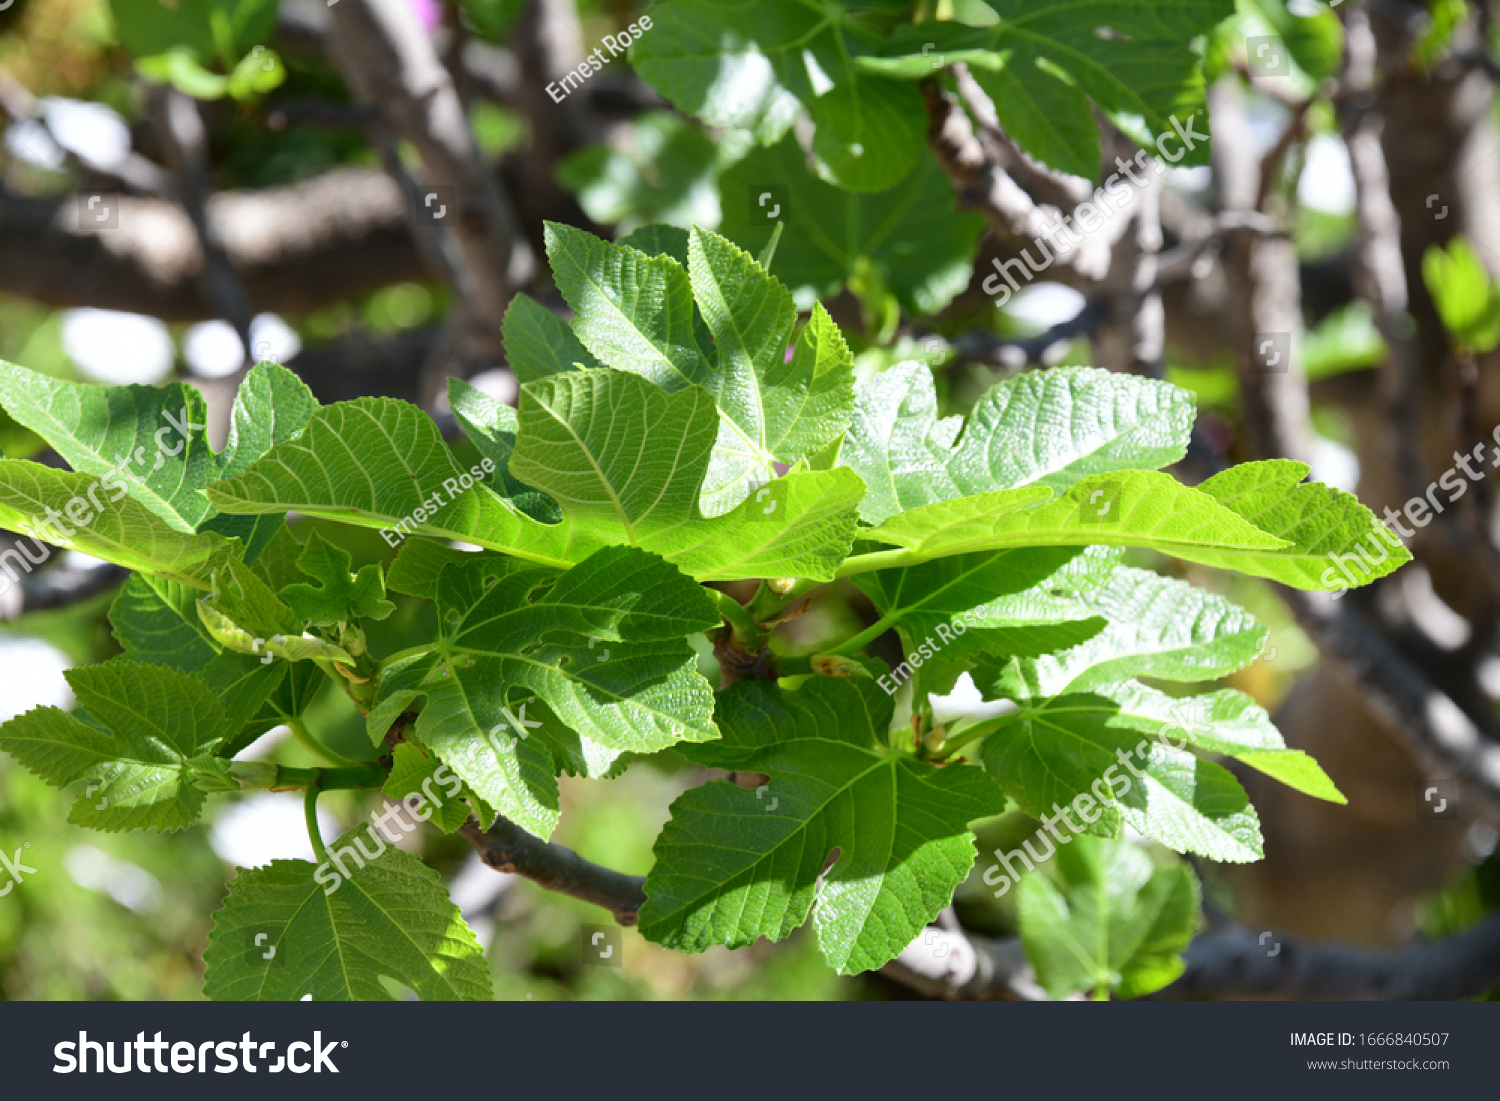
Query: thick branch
{"type": "Point", "coordinates": [1133, 333]}
{"type": "Point", "coordinates": [1234, 963]}
{"type": "Point", "coordinates": [1227, 963]}
{"type": "Point", "coordinates": [331, 238]}
{"type": "Point", "coordinates": [1263, 268]}
{"type": "Point", "coordinates": [57, 587]}
{"type": "Point", "coordinates": [1263, 279]}
{"type": "Point", "coordinates": [1434, 729]}
{"type": "Point", "coordinates": [506, 847]}
{"type": "Point", "coordinates": [1380, 277]}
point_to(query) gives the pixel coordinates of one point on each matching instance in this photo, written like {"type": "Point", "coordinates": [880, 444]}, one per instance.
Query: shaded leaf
{"type": "Point", "coordinates": [734, 865]}
{"type": "Point", "coordinates": [389, 916]}
{"type": "Point", "coordinates": [1115, 922]}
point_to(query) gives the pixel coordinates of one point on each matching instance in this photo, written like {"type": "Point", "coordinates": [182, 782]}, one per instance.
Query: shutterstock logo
{"type": "Point", "coordinates": [301, 1056]}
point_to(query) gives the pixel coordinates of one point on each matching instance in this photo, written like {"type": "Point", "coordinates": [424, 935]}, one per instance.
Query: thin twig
{"type": "Point", "coordinates": [185, 139]}
{"type": "Point", "coordinates": [1043, 350]}
{"type": "Point", "coordinates": [506, 847]}
{"type": "Point", "coordinates": [1270, 165]}
{"type": "Point", "coordinates": [982, 185]}
{"type": "Point", "coordinates": [390, 62]}
{"type": "Point", "coordinates": [1043, 183]}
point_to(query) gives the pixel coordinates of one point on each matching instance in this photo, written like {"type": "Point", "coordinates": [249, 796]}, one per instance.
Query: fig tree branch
{"type": "Point", "coordinates": [389, 61]}
{"type": "Point", "coordinates": [1233, 962]}
{"type": "Point", "coordinates": [57, 586]}
{"type": "Point", "coordinates": [331, 238]}
{"type": "Point", "coordinates": [506, 847]}
{"type": "Point", "coordinates": [1238, 963]}
{"type": "Point", "coordinates": [180, 128]}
